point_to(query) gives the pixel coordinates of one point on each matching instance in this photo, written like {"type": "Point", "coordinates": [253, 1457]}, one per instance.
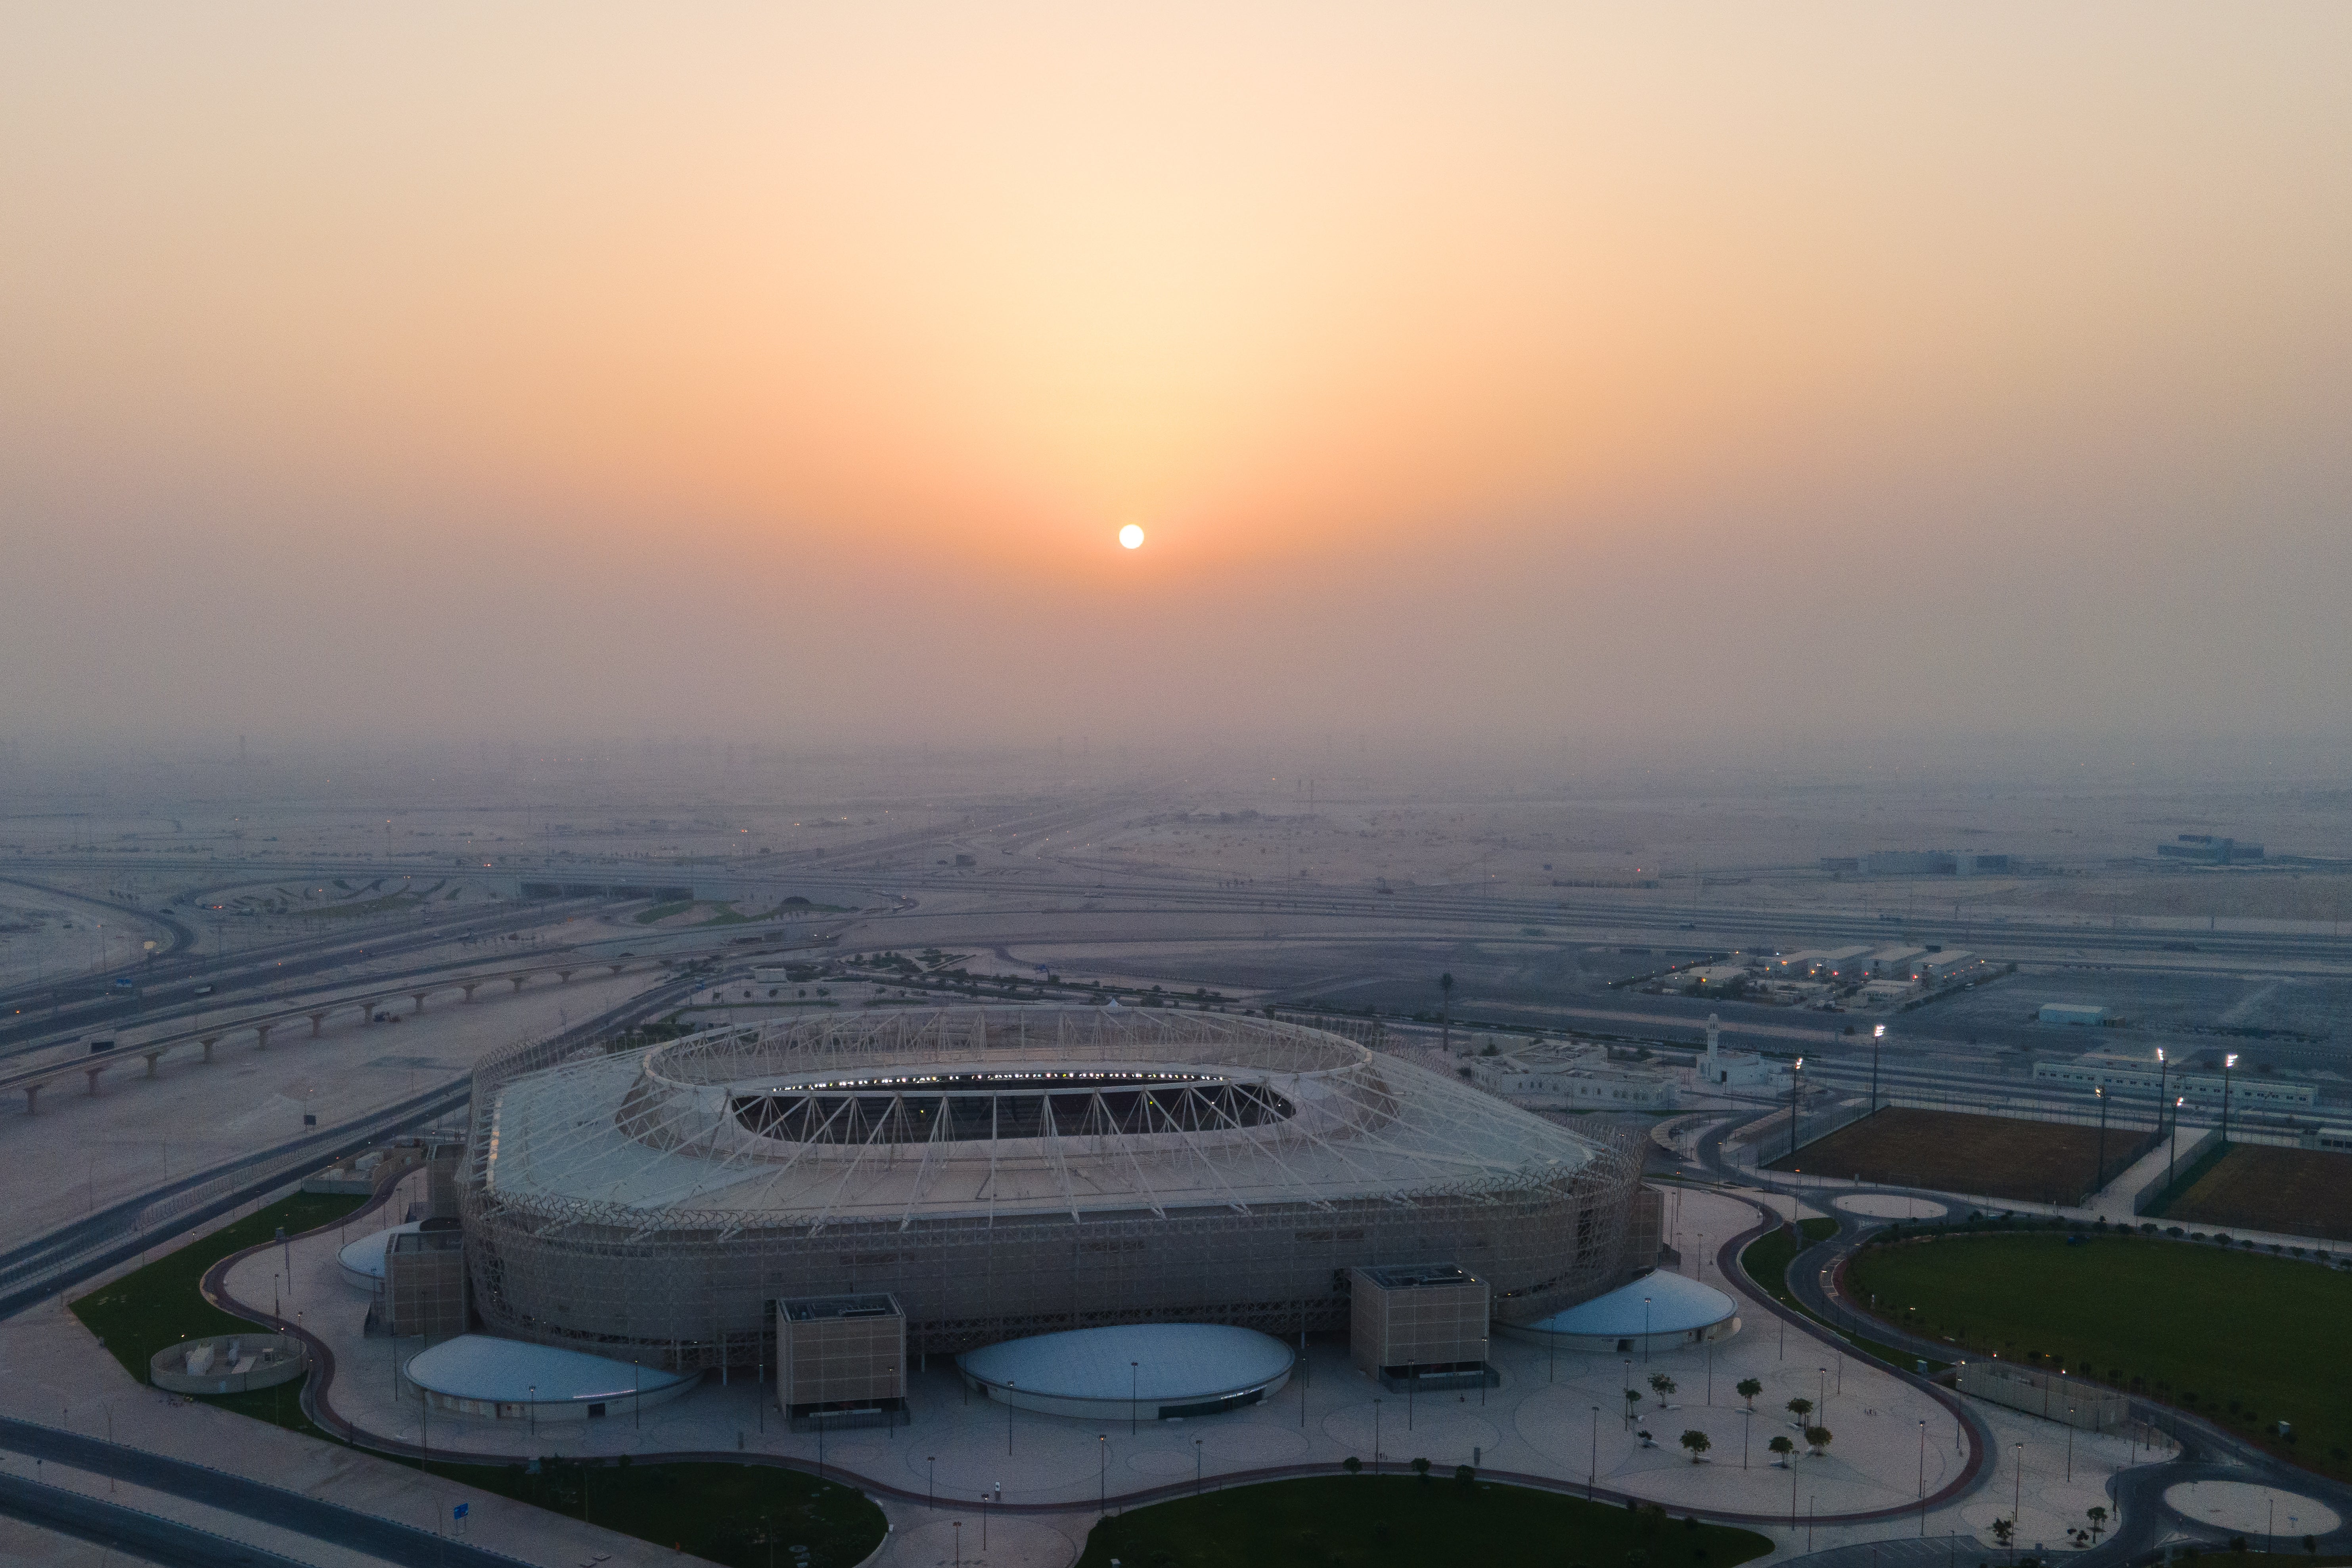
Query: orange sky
{"type": "Point", "coordinates": [1523, 333]}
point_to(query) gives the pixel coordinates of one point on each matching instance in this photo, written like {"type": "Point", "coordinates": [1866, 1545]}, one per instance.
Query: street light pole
{"type": "Point", "coordinates": [2227, 1063]}
{"type": "Point", "coordinates": [2100, 1179]}
{"type": "Point", "coordinates": [1793, 1073]}
{"type": "Point", "coordinates": [1877, 1034]}
{"type": "Point", "coordinates": [1923, 1480]}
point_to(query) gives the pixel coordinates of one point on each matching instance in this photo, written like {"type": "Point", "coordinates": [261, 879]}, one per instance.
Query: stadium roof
{"type": "Point", "coordinates": [510, 1371]}
{"type": "Point", "coordinates": [1154, 1363]}
{"type": "Point", "coordinates": [1675, 1305]}
{"type": "Point", "coordinates": [974, 1112]}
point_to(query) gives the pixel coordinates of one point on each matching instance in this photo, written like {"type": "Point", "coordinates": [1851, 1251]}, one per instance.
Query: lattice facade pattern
{"type": "Point", "coordinates": [1004, 1172]}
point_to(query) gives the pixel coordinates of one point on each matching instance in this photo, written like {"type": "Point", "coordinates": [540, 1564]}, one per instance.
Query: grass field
{"type": "Point", "coordinates": [1948, 1151]}
{"type": "Point", "coordinates": [724, 1512]}
{"type": "Point", "coordinates": [139, 1314]}
{"type": "Point", "coordinates": [2295, 1192]}
{"type": "Point", "coordinates": [2241, 1338]}
{"type": "Point", "coordinates": [1373, 1522]}
{"type": "Point", "coordinates": [1766, 1259]}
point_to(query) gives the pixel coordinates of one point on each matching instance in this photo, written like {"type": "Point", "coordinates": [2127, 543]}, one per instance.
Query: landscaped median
{"type": "Point", "coordinates": [743, 1515]}
{"type": "Point", "coordinates": [1766, 1262]}
{"type": "Point", "coordinates": [1407, 1521]}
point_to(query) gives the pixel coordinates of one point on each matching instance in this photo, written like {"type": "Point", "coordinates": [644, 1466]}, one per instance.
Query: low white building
{"type": "Point", "coordinates": [1584, 1080]}
{"type": "Point", "coordinates": [1741, 1071]}
{"type": "Point", "coordinates": [2137, 1078]}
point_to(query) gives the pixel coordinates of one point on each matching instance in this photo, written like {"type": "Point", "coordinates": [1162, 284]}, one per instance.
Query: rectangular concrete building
{"type": "Point", "coordinates": [840, 1356]}
{"type": "Point", "coordinates": [424, 1282]}
{"type": "Point", "coordinates": [1423, 1321]}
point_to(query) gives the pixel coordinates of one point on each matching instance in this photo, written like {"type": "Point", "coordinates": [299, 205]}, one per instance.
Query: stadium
{"type": "Point", "coordinates": [1006, 1172]}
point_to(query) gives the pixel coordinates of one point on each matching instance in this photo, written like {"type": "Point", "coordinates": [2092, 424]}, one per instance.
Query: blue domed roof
{"type": "Point", "coordinates": [1656, 1303]}
{"type": "Point", "coordinates": [1159, 1362]}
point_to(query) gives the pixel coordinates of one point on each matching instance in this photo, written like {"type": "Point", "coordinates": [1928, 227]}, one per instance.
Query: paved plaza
{"type": "Point", "coordinates": [1557, 1415]}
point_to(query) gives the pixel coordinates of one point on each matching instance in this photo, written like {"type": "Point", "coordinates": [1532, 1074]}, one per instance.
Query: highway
{"type": "Point", "coordinates": [224, 1490]}
{"type": "Point", "coordinates": [64, 1256]}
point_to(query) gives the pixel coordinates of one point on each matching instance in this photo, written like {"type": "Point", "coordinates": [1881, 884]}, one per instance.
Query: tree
{"type": "Point", "coordinates": [1445, 1005]}
{"type": "Point", "coordinates": [2004, 1530]}
{"type": "Point", "coordinates": [1660, 1385]}
{"type": "Point", "coordinates": [2098, 1517]}
{"type": "Point", "coordinates": [1466, 1477]}
{"type": "Point", "coordinates": [1801, 1409]}
{"type": "Point", "coordinates": [1698, 1442]}
{"type": "Point", "coordinates": [1749, 1389]}
{"type": "Point", "coordinates": [1421, 1469]}
{"type": "Point", "coordinates": [1352, 1465]}
{"type": "Point", "coordinates": [1819, 1437]}
{"type": "Point", "coordinates": [1782, 1445]}
{"type": "Point", "coordinates": [1632, 1398]}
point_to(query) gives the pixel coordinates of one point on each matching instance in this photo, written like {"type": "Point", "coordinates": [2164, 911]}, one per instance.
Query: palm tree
{"type": "Point", "coordinates": [2098, 1520]}
{"type": "Point", "coordinates": [1782, 1445]}
{"type": "Point", "coordinates": [1660, 1385]}
{"type": "Point", "coordinates": [1801, 1409]}
{"type": "Point", "coordinates": [1698, 1442]}
{"type": "Point", "coordinates": [1749, 1389]}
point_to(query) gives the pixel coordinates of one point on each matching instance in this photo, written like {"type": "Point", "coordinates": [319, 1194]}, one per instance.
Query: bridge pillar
{"type": "Point", "coordinates": [208, 1043]}
{"type": "Point", "coordinates": [33, 1097]}
{"type": "Point", "coordinates": [153, 1057]}
{"type": "Point", "coordinates": [92, 1074]}
{"type": "Point", "coordinates": [518, 980]}
{"type": "Point", "coordinates": [419, 998]}
{"type": "Point", "coordinates": [467, 987]}
{"type": "Point", "coordinates": [261, 1036]}
{"type": "Point", "coordinates": [318, 1021]}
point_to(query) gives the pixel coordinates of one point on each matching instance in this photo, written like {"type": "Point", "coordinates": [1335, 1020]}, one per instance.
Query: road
{"type": "Point", "coordinates": [2206, 1452]}
{"type": "Point", "coordinates": [232, 1493]}
{"type": "Point", "coordinates": [64, 1256]}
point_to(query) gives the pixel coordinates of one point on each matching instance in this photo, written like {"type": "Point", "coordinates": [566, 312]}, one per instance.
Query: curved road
{"type": "Point", "coordinates": [2206, 1451]}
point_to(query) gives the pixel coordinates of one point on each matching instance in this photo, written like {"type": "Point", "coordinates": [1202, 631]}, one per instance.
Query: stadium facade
{"type": "Point", "coordinates": [1008, 1172]}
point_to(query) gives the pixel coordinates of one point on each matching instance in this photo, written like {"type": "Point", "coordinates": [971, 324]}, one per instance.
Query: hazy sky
{"type": "Point", "coordinates": [1476, 371]}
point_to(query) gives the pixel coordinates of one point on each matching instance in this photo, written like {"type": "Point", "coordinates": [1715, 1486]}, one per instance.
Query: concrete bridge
{"type": "Point", "coordinates": [31, 1082]}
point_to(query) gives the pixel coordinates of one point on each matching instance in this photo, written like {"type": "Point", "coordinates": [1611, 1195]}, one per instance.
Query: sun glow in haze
{"type": "Point", "coordinates": [1393, 318]}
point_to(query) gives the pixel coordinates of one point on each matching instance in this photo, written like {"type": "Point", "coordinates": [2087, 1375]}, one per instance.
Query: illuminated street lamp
{"type": "Point", "coordinates": [2227, 1063]}
{"type": "Point", "coordinates": [1793, 1106]}
{"type": "Point", "coordinates": [1877, 1034]}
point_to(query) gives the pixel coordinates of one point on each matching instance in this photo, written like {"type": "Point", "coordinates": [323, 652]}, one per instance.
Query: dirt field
{"type": "Point", "coordinates": [1991, 1156]}
{"type": "Point", "coordinates": [2299, 1192]}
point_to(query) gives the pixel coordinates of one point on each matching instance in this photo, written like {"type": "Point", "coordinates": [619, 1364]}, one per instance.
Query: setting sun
{"type": "Point", "coordinates": [1131, 537]}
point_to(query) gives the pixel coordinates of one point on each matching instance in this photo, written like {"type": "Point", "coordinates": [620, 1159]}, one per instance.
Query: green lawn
{"type": "Point", "coordinates": [2241, 1338]}
{"type": "Point", "coordinates": [722, 1511]}
{"type": "Point", "coordinates": [1766, 1259]}
{"type": "Point", "coordinates": [743, 1515]}
{"type": "Point", "coordinates": [1766, 1262]}
{"type": "Point", "coordinates": [139, 1314]}
{"type": "Point", "coordinates": [1373, 1522]}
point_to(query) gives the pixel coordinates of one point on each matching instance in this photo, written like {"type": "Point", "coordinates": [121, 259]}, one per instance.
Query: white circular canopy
{"type": "Point", "coordinates": [1656, 1303]}
{"type": "Point", "coordinates": [1156, 1364]}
